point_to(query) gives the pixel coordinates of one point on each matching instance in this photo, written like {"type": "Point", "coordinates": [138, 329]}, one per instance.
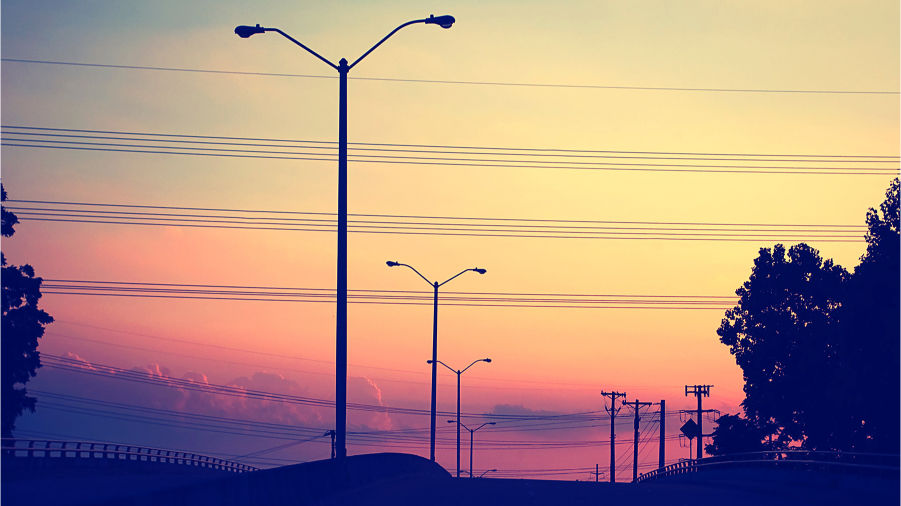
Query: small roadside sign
{"type": "Point", "coordinates": [690, 429]}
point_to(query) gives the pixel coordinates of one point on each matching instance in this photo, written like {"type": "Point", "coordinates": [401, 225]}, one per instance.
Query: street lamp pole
{"type": "Point", "coordinates": [343, 69]}
{"type": "Point", "coordinates": [471, 437]}
{"type": "Point", "coordinates": [434, 361]}
{"type": "Point", "coordinates": [460, 373]}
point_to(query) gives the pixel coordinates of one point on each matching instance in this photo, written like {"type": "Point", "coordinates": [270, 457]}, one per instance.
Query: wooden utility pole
{"type": "Point", "coordinates": [699, 391]}
{"type": "Point", "coordinates": [612, 411]}
{"type": "Point", "coordinates": [636, 406]}
{"type": "Point", "coordinates": [662, 433]}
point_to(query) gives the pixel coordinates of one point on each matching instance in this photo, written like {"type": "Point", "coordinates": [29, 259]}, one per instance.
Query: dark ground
{"type": "Point", "coordinates": [399, 479]}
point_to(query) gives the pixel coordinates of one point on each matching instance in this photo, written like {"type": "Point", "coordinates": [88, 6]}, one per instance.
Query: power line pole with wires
{"type": "Point", "coordinates": [612, 411]}
{"type": "Point", "coordinates": [662, 432]}
{"type": "Point", "coordinates": [332, 434]}
{"type": "Point", "coordinates": [636, 407]}
{"type": "Point", "coordinates": [699, 391]}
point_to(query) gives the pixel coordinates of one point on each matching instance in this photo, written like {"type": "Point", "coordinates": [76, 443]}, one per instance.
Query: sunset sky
{"type": "Point", "coordinates": [757, 78]}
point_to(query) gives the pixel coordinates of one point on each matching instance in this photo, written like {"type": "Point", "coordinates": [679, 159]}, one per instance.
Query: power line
{"type": "Point", "coordinates": [108, 371]}
{"type": "Point", "coordinates": [458, 82]}
{"type": "Point", "coordinates": [437, 160]}
{"type": "Point", "coordinates": [422, 217]}
{"type": "Point", "coordinates": [145, 215]}
{"type": "Point", "coordinates": [333, 144]}
{"type": "Point", "coordinates": [436, 149]}
{"type": "Point", "coordinates": [168, 143]}
{"type": "Point", "coordinates": [648, 168]}
{"type": "Point", "coordinates": [321, 295]}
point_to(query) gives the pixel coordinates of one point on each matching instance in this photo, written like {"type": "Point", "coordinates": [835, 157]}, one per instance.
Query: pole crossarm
{"type": "Point", "coordinates": [612, 411]}
{"type": "Point", "coordinates": [699, 391]}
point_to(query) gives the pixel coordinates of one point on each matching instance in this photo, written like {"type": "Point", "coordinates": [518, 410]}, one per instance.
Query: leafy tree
{"type": "Point", "coordinates": [870, 333]}
{"type": "Point", "coordinates": [22, 326]}
{"type": "Point", "coordinates": [780, 334]}
{"type": "Point", "coordinates": [819, 347]}
{"type": "Point", "coordinates": [734, 434]}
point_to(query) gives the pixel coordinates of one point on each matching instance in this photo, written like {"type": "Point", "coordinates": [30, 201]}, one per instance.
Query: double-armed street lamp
{"type": "Point", "coordinates": [459, 372]}
{"type": "Point", "coordinates": [434, 360]}
{"type": "Point", "coordinates": [343, 68]}
{"type": "Point", "coordinates": [471, 434]}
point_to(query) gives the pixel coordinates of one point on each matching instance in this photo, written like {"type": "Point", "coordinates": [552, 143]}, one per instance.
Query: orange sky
{"type": "Point", "coordinates": [544, 359]}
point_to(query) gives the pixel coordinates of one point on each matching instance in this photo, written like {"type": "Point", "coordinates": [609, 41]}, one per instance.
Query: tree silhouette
{"type": "Point", "coordinates": [870, 332]}
{"type": "Point", "coordinates": [22, 326]}
{"type": "Point", "coordinates": [734, 434]}
{"type": "Point", "coordinates": [779, 334]}
{"type": "Point", "coordinates": [819, 347]}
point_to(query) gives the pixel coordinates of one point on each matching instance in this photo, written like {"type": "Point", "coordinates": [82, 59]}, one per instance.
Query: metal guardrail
{"type": "Point", "coordinates": [54, 449]}
{"type": "Point", "coordinates": [799, 459]}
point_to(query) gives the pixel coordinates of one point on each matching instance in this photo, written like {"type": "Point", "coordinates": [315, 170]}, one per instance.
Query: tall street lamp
{"type": "Point", "coordinates": [434, 360]}
{"type": "Point", "coordinates": [343, 68]}
{"type": "Point", "coordinates": [471, 434]}
{"type": "Point", "coordinates": [459, 373]}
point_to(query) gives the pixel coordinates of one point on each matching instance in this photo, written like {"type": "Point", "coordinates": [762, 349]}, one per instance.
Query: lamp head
{"type": "Point", "coordinates": [491, 423]}
{"type": "Point", "coordinates": [245, 31]}
{"type": "Point", "coordinates": [442, 21]}
{"type": "Point", "coordinates": [429, 361]}
{"type": "Point", "coordinates": [480, 271]}
{"type": "Point", "coordinates": [389, 263]}
{"type": "Point", "coordinates": [451, 421]}
{"type": "Point", "coordinates": [488, 360]}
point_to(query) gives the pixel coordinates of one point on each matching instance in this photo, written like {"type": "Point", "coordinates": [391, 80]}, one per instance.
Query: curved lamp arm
{"type": "Point", "coordinates": [486, 360]}
{"type": "Point", "coordinates": [462, 425]}
{"type": "Point", "coordinates": [484, 424]}
{"type": "Point", "coordinates": [395, 264]}
{"type": "Point", "coordinates": [474, 269]}
{"type": "Point", "coordinates": [245, 31]}
{"type": "Point", "coordinates": [379, 43]}
{"type": "Point", "coordinates": [443, 21]}
{"type": "Point", "coordinates": [451, 369]}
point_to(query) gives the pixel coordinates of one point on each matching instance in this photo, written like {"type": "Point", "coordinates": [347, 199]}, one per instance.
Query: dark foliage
{"type": "Point", "coordinates": [734, 434]}
{"type": "Point", "coordinates": [819, 347]}
{"type": "Point", "coordinates": [22, 325]}
{"type": "Point", "coordinates": [870, 333]}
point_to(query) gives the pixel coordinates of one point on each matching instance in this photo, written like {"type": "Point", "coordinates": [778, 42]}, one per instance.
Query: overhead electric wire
{"type": "Point", "coordinates": [456, 150]}
{"type": "Point", "coordinates": [456, 82]}
{"type": "Point", "coordinates": [84, 212]}
{"type": "Point", "coordinates": [37, 137]}
{"type": "Point", "coordinates": [323, 295]}
{"type": "Point", "coordinates": [439, 146]}
{"type": "Point", "coordinates": [436, 160]}
{"type": "Point", "coordinates": [647, 168]}
{"type": "Point", "coordinates": [420, 217]}
{"type": "Point", "coordinates": [93, 368]}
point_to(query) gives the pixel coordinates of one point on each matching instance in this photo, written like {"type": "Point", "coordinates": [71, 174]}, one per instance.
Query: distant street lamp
{"type": "Point", "coordinates": [434, 360]}
{"type": "Point", "coordinates": [459, 373]}
{"type": "Point", "coordinates": [471, 433]}
{"type": "Point", "coordinates": [343, 68]}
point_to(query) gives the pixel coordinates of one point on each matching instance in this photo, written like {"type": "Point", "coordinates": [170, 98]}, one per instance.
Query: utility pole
{"type": "Point", "coordinates": [662, 432]}
{"type": "Point", "coordinates": [636, 406]}
{"type": "Point", "coordinates": [331, 433]}
{"type": "Point", "coordinates": [597, 472]}
{"type": "Point", "coordinates": [699, 391]}
{"type": "Point", "coordinates": [612, 411]}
